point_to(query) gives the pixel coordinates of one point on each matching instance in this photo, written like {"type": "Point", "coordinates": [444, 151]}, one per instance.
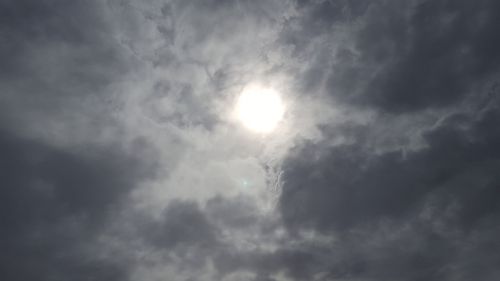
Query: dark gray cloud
{"type": "Point", "coordinates": [54, 202]}
{"type": "Point", "coordinates": [53, 48]}
{"type": "Point", "coordinates": [184, 225]}
{"type": "Point", "coordinates": [391, 183]}
{"type": "Point", "coordinates": [401, 56]}
{"type": "Point", "coordinates": [349, 187]}
{"type": "Point", "coordinates": [432, 200]}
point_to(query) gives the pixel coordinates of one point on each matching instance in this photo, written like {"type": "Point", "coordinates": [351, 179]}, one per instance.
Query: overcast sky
{"type": "Point", "coordinates": [121, 158]}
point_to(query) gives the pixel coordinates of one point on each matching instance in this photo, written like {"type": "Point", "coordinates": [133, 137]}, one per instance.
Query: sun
{"type": "Point", "coordinates": [260, 109]}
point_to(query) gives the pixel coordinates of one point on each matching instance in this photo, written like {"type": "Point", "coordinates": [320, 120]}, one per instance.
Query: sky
{"type": "Point", "coordinates": [121, 157]}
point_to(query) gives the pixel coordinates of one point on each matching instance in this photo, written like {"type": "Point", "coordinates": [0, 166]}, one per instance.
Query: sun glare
{"type": "Point", "coordinates": [260, 109]}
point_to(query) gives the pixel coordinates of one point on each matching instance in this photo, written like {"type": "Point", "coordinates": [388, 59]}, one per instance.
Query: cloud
{"type": "Point", "coordinates": [184, 224]}
{"type": "Point", "coordinates": [54, 203]}
{"type": "Point", "coordinates": [121, 159]}
{"type": "Point", "coordinates": [396, 56]}
{"type": "Point", "coordinates": [427, 185]}
{"type": "Point", "coordinates": [362, 186]}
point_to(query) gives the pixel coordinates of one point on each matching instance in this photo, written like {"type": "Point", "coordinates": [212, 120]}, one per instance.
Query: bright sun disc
{"type": "Point", "coordinates": [260, 109]}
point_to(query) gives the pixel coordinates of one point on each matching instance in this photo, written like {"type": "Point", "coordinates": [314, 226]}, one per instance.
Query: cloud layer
{"type": "Point", "coordinates": [121, 159]}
